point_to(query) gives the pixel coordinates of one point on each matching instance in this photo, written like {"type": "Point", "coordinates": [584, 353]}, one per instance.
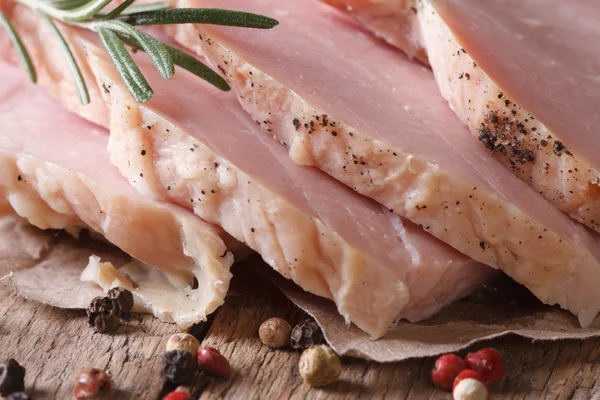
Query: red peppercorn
{"type": "Point", "coordinates": [468, 373]}
{"type": "Point", "coordinates": [488, 362]}
{"type": "Point", "coordinates": [90, 383]}
{"type": "Point", "coordinates": [446, 368]}
{"type": "Point", "coordinates": [213, 362]}
{"type": "Point", "coordinates": [177, 396]}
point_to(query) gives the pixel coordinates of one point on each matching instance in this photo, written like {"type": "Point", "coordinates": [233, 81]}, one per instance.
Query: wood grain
{"type": "Point", "coordinates": [54, 344]}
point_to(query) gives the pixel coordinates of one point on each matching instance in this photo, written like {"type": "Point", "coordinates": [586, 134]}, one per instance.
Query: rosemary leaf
{"type": "Point", "coordinates": [16, 40]}
{"type": "Point", "coordinates": [213, 16]}
{"type": "Point", "coordinates": [193, 65]}
{"type": "Point", "coordinates": [144, 7]}
{"type": "Point", "coordinates": [189, 63]}
{"type": "Point", "coordinates": [84, 95]}
{"type": "Point", "coordinates": [79, 14]}
{"type": "Point", "coordinates": [118, 10]}
{"type": "Point", "coordinates": [130, 73]}
{"type": "Point", "coordinates": [155, 49]}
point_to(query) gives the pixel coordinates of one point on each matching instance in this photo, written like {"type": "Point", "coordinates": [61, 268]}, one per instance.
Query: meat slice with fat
{"type": "Point", "coordinates": [55, 172]}
{"type": "Point", "coordinates": [194, 145]}
{"type": "Point", "coordinates": [366, 115]}
{"type": "Point", "coordinates": [515, 93]}
{"type": "Point", "coordinates": [540, 83]}
{"type": "Point", "coordinates": [547, 60]}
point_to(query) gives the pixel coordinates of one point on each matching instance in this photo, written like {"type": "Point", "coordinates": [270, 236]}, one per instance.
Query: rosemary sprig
{"type": "Point", "coordinates": [16, 40]}
{"type": "Point", "coordinates": [115, 27]}
{"type": "Point", "coordinates": [84, 95]}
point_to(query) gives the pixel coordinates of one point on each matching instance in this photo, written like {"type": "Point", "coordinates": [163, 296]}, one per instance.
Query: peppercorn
{"type": "Point", "coordinates": [470, 389]}
{"type": "Point", "coordinates": [18, 396]}
{"type": "Point", "coordinates": [103, 314]}
{"type": "Point", "coordinates": [213, 362]}
{"type": "Point", "coordinates": [488, 362]}
{"type": "Point", "coordinates": [468, 374]}
{"type": "Point", "coordinates": [446, 369]}
{"type": "Point", "coordinates": [123, 298]}
{"type": "Point", "coordinates": [306, 334]}
{"type": "Point", "coordinates": [179, 366]}
{"type": "Point", "coordinates": [319, 366]}
{"type": "Point", "coordinates": [183, 341]}
{"type": "Point", "coordinates": [90, 383]}
{"type": "Point", "coordinates": [275, 332]}
{"type": "Point", "coordinates": [12, 377]}
{"type": "Point", "coordinates": [181, 393]}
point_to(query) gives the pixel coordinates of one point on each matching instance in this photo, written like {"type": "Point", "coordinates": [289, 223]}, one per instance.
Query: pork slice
{"type": "Point", "coordinates": [55, 172]}
{"type": "Point", "coordinates": [195, 146]}
{"type": "Point", "coordinates": [377, 123]}
{"type": "Point", "coordinates": [333, 242]}
{"type": "Point", "coordinates": [546, 61]}
{"type": "Point", "coordinates": [493, 93]}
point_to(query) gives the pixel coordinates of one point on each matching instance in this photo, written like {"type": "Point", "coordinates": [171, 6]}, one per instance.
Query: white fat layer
{"type": "Point", "coordinates": [168, 296]}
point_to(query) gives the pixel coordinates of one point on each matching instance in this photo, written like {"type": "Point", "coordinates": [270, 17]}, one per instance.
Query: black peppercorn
{"type": "Point", "coordinates": [18, 396]}
{"type": "Point", "coordinates": [179, 366]}
{"type": "Point", "coordinates": [12, 378]}
{"type": "Point", "coordinates": [123, 298]}
{"type": "Point", "coordinates": [103, 314]}
{"type": "Point", "coordinates": [307, 334]}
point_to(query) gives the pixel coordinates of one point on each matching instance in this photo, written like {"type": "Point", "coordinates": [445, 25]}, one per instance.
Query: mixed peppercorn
{"type": "Point", "coordinates": [105, 313]}
{"type": "Point", "coordinates": [468, 379]}
{"type": "Point", "coordinates": [319, 365]}
{"type": "Point", "coordinates": [275, 333]}
{"type": "Point", "coordinates": [91, 383]}
{"type": "Point", "coordinates": [306, 334]}
{"type": "Point", "coordinates": [184, 358]}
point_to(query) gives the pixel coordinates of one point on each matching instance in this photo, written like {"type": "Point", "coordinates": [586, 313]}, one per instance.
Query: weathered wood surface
{"type": "Point", "coordinates": [54, 344]}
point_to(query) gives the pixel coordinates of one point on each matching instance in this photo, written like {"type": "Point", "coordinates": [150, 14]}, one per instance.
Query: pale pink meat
{"type": "Point", "coordinates": [366, 115]}
{"type": "Point", "coordinates": [546, 60]}
{"type": "Point", "coordinates": [55, 171]}
{"type": "Point", "coordinates": [195, 146]}
{"type": "Point", "coordinates": [497, 106]}
{"type": "Point", "coordinates": [395, 21]}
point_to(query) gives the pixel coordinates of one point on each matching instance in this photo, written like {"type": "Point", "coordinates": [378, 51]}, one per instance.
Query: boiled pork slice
{"type": "Point", "coordinates": [195, 146]}
{"type": "Point", "coordinates": [366, 115]}
{"type": "Point", "coordinates": [530, 97]}
{"type": "Point", "coordinates": [55, 172]}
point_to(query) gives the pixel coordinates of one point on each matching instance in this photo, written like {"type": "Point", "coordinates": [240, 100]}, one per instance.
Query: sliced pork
{"type": "Point", "coordinates": [195, 146]}
{"type": "Point", "coordinates": [55, 172]}
{"type": "Point", "coordinates": [515, 93]}
{"type": "Point", "coordinates": [540, 83]}
{"type": "Point", "coordinates": [366, 115]}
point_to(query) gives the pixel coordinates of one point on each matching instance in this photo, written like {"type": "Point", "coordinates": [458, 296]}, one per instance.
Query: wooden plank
{"type": "Point", "coordinates": [54, 344]}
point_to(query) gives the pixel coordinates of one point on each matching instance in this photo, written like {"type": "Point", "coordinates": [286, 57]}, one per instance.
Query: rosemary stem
{"type": "Point", "coordinates": [78, 14]}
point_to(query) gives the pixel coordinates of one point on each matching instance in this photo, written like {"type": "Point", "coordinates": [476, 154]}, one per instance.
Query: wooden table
{"type": "Point", "coordinates": [54, 344]}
